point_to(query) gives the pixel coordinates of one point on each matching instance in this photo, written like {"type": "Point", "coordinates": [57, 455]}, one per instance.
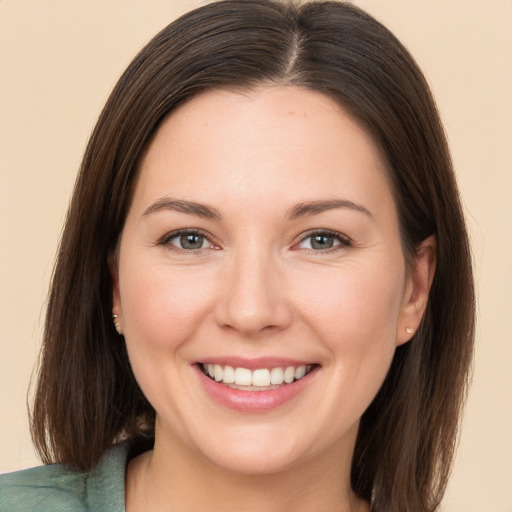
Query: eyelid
{"type": "Point", "coordinates": [344, 240]}
{"type": "Point", "coordinates": [164, 240]}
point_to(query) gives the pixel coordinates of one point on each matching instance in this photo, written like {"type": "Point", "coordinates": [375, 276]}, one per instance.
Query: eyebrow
{"type": "Point", "coordinates": [180, 205]}
{"type": "Point", "coordinates": [316, 207]}
{"type": "Point", "coordinates": [304, 209]}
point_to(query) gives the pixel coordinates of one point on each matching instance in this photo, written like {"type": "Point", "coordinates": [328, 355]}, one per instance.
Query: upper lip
{"type": "Point", "coordinates": [254, 363]}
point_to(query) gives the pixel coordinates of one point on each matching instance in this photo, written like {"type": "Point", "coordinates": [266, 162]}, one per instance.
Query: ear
{"type": "Point", "coordinates": [416, 291]}
{"type": "Point", "coordinates": [116, 297]}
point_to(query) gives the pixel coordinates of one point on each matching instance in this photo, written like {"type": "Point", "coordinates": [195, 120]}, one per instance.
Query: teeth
{"type": "Point", "coordinates": [229, 375]}
{"type": "Point", "coordinates": [242, 378]}
{"type": "Point", "coordinates": [276, 376]}
{"type": "Point", "coordinates": [289, 374]}
{"type": "Point", "coordinates": [261, 378]}
{"type": "Point", "coordinates": [300, 372]}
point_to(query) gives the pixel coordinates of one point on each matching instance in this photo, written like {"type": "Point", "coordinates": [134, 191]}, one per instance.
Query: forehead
{"type": "Point", "coordinates": [279, 141]}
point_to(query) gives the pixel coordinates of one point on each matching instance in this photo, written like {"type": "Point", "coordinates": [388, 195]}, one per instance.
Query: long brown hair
{"type": "Point", "coordinates": [87, 397]}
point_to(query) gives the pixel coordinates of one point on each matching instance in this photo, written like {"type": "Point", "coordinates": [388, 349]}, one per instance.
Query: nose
{"type": "Point", "coordinates": [253, 298]}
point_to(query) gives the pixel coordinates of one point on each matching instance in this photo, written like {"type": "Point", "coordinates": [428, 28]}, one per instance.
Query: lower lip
{"type": "Point", "coordinates": [254, 401]}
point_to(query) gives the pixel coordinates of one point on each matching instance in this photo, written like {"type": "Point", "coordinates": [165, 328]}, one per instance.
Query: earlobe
{"type": "Point", "coordinates": [417, 288]}
{"type": "Point", "coordinates": [116, 298]}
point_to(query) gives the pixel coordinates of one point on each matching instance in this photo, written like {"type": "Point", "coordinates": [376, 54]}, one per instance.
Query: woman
{"type": "Point", "coordinates": [267, 209]}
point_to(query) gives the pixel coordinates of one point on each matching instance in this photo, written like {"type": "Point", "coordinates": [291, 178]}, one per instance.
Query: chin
{"type": "Point", "coordinates": [270, 448]}
{"type": "Point", "coordinates": [255, 459]}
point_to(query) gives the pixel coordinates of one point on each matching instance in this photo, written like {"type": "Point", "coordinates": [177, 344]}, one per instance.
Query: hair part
{"type": "Point", "coordinates": [87, 397]}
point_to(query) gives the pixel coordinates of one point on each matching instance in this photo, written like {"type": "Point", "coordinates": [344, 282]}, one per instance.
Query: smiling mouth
{"type": "Point", "coordinates": [262, 379]}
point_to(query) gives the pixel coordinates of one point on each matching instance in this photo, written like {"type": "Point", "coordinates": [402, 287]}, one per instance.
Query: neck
{"type": "Point", "coordinates": [171, 477]}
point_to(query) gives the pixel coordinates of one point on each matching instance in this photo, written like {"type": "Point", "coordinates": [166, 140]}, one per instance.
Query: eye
{"type": "Point", "coordinates": [187, 240]}
{"type": "Point", "coordinates": [323, 241]}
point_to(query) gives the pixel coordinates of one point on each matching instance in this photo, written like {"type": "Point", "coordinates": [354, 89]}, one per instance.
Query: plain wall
{"type": "Point", "coordinates": [59, 60]}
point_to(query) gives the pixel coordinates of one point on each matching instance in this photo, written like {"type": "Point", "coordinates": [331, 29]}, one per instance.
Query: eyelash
{"type": "Point", "coordinates": [344, 242]}
{"type": "Point", "coordinates": [166, 239]}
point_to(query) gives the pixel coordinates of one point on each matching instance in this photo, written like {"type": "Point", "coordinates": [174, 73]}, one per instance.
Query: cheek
{"type": "Point", "coordinates": [162, 309]}
{"type": "Point", "coordinates": [355, 310]}
{"type": "Point", "coordinates": [161, 306]}
{"type": "Point", "coordinates": [354, 315]}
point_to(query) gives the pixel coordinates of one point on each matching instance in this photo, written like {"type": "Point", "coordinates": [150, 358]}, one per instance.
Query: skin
{"type": "Point", "coordinates": [256, 287]}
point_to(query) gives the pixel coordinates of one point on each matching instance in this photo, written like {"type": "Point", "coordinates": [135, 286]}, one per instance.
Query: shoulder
{"type": "Point", "coordinates": [52, 487]}
{"type": "Point", "coordinates": [58, 487]}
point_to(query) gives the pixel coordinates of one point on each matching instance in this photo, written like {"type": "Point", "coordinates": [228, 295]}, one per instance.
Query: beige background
{"type": "Point", "coordinates": [60, 58]}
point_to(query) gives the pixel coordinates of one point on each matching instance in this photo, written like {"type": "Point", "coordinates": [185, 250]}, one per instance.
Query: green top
{"type": "Point", "coordinates": [57, 488]}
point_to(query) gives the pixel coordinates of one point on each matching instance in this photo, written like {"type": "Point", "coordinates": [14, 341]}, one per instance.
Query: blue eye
{"type": "Point", "coordinates": [323, 241]}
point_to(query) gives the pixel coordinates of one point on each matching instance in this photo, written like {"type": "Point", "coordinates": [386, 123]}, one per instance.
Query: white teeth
{"type": "Point", "coordinates": [217, 372]}
{"type": "Point", "coordinates": [229, 375]}
{"type": "Point", "coordinates": [242, 378]}
{"type": "Point", "coordinates": [300, 372]}
{"type": "Point", "coordinates": [276, 376]}
{"type": "Point", "coordinates": [289, 374]}
{"type": "Point", "coordinates": [261, 378]}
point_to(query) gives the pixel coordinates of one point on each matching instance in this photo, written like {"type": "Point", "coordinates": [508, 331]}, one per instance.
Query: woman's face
{"type": "Point", "coordinates": [262, 243]}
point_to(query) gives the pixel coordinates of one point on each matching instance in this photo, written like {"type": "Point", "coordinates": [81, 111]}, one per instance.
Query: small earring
{"type": "Point", "coordinates": [117, 325]}
{"type": "Point", "coordinates": [408, 330]}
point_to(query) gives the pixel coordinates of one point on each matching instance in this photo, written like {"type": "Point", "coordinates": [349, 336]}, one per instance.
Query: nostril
{"type": "Point", "coordinates": [252, 300]}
